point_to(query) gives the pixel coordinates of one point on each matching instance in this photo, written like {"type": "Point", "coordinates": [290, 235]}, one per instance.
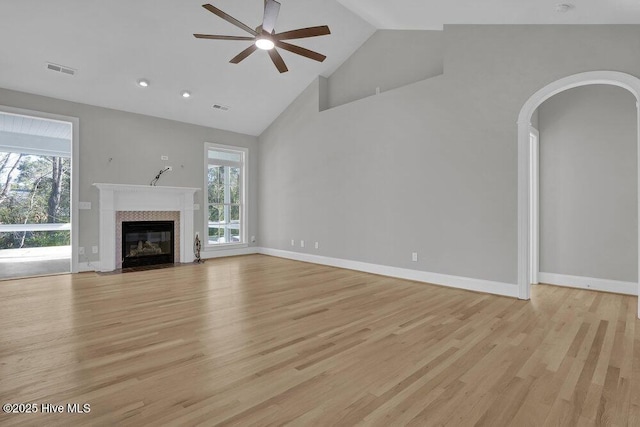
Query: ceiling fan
{"type": "Point", "coordinates": [265, 37]}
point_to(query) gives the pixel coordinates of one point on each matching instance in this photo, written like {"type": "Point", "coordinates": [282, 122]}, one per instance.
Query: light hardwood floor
{"type": "Point", "coordinates": [258, 340]}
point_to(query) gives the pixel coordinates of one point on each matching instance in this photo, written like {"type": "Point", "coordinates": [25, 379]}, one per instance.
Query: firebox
{"type": "Point", "coordinates": [147, 243]}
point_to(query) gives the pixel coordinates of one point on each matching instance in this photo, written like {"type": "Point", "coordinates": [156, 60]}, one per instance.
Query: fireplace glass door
{"type": "Point", "coordinates": [147, 243]}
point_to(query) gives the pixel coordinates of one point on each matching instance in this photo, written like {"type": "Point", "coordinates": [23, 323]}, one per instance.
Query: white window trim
{"type": "Point", "coordinates": [244, 180]}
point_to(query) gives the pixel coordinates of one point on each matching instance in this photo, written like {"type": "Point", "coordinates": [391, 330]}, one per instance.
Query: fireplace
{"type": "Point", "coordinates": [147, 243]}
{"type": "Point", "coordinates": [124, 202]}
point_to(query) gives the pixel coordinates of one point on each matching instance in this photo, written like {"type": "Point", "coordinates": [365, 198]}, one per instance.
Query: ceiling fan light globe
{"type": "Point", "coordinates": [264, 44]}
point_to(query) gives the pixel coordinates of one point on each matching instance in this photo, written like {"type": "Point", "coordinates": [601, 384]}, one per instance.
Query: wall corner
{"type": "Point", "coordinates": [323, 93]}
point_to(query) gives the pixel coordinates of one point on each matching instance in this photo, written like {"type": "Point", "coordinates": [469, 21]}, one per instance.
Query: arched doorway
{"type": "Point", "coordinates": [525, 223]}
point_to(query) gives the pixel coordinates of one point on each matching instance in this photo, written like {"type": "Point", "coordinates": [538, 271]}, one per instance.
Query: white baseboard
{"type": "Point", "coordinates": [617, 286]}
{"type": "Point", "coordinates": [83, 267]}
{"type": "Point", "coordinates": [229, 252]}
{"type": "Point", "coordinates": [467, 283]}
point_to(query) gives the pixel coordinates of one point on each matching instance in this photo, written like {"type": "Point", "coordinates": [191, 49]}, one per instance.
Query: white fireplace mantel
{"type": "Point", "coordinates": [123, 197]}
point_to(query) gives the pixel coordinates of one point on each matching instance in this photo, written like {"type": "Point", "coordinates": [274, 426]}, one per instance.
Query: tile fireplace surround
{"type": "Point", "coordinates": [116, 198]}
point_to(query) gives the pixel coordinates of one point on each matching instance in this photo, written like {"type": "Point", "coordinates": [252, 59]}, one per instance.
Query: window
{"type": "Point", "coordinates": [225, 196]}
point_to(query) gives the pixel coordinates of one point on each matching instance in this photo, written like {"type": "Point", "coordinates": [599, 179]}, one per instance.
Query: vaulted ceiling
{"type": "Point", "coordinates": [432, 14]}
{"type": "Point", "coordinates": [114, 43]}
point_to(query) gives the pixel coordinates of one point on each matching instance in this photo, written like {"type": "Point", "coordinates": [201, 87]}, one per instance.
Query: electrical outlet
{"type": "Point", "coordinates": [317, 245]}
{"type": "Point", "coordinates": [164, 157]}
{"type": "Point", "coordinates": [94, 249]}
{"type": "Point", "coordinates": [81, 250]}
{"type": "Point", "coordinates": [302, 243]}
{"type": "Point", "coordinates": [84, 205]}
{"type": "Point", "coordinates": [293, 242]}
{"type": "Point", "coordinates": [253, 239]}
{"type": "Point", "coordinates": [414, 257]}
{"type": "Point", "coordinates": [196, 206]}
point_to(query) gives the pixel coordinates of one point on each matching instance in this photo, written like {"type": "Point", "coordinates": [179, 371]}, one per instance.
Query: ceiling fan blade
{"type": "Point", "coordinates": [271, 11]}
{"type": "Point", "coordinates": [242, 55]}
{"type": "Point", "coordinates": [229, 19]}
{"type": "Point", "coordinates": [303, 33]}
{"type": "Point", "coordinates": [301, 51]}
{"type": "Point", "coordinates": [278, 61]}
{"type": "Point", "coordinates": [213, 37]}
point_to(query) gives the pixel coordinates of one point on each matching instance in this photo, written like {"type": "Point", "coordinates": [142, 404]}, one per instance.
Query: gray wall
{"type": "Point", "coordinates": [588, 183]}
{"type": "Point", "coordinates": [135, 143]}
{"type": "Point", "coordinates": [387, 60]}
{"type": "Point", "coordinates": [430, 167]}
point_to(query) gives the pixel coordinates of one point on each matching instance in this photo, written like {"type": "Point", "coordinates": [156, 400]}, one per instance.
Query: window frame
{"type": "Point", "coordinates": [244, 176]}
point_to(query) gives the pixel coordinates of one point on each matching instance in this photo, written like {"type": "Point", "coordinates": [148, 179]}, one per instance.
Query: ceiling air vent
{"type": "Point", "coordinates": [61, 69]}
{"type": "Point", "coordinates": [220, 107]}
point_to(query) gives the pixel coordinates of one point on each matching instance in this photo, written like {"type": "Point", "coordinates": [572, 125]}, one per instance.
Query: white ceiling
{"type": "Point", "coordinates": [113, 43]}
{"type": "Point", "coordinates": [31, 135]}
{"type": "Point", "coordinates": [16, 123]}
{"type": "Point", "coordinates": [432, 14]}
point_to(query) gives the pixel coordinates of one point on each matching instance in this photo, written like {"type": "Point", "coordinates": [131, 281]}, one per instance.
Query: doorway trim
{"type": "Point", "coordinates": [525, 220]}
{"type": "Point", "coordinates": [75, 159]}
{"type": "Point", "coordinates": [534, 204]}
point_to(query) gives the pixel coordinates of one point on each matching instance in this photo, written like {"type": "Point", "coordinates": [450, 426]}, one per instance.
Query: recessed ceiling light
{"type": "Point", "coordinates": [264, 44]}
{"type": "Point", "coordinates": [185, 94]}
{"type": "Point", "coordinates": [143, 83]}
{"type": "Point", "coordinates": [564, 7]}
